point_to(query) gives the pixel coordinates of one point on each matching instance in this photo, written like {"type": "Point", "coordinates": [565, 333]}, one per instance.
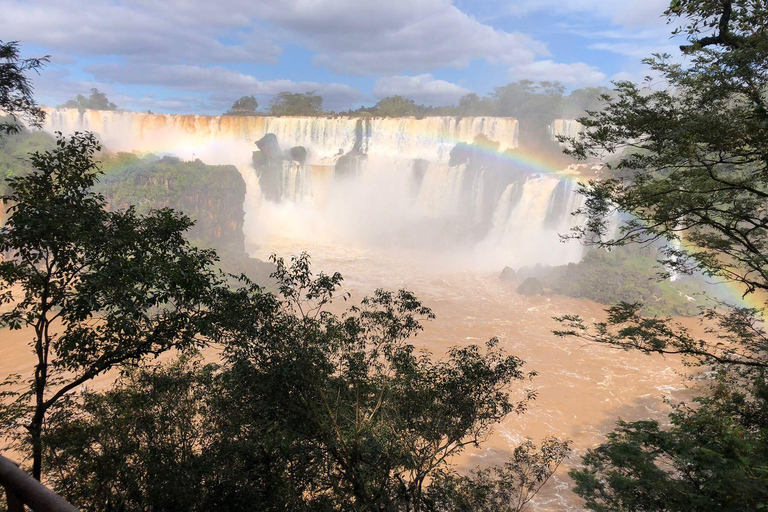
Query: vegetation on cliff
{"type": "Point", "coordinates": [245, 106]}
{"type": "Point", "coordinates": [296, 104]}
{"type": "Point", "coordinates": [211, 195]}
{"type": "Point", "coordinates": [625, 274]}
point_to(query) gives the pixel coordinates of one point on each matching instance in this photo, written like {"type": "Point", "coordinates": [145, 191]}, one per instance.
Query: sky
{"type": "Point", "coordinates": [190, 56]}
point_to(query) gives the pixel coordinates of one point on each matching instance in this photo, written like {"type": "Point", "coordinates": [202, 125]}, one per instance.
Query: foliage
{"type": "Point", "coordinates": [137, 446]}
{"type": "Point", "coordinates": [628, 274]}
{"type": "Point", "coordinates": [14, 154]}
{"type": "Point", "coordinates": [245, 106]}
{"type": "Point", "coordinates": [473, 105]}
{"type": "Point", "coordinates": [507, 488]}
{"type": "Point", "coordinates": [587, 99]}
{"type": "Point", "coordinates": [309, 411]}
{"type": "Point", "coordinates": [296, 104]}
{"type": "Point", "coordinates": [712, 457]}
{"type": "Point", "coordinates": [96, 289]}
{"type": "Point", "coordinates": [16, 98]}
{"type": "Point", "coordinates": [96, 101]}
{"type": "Point", "coordinates": [697, 167]}
{"type": "Point", "coordinates": [691, 168]}
{"type": "Point", "coordinates": [397, 106]}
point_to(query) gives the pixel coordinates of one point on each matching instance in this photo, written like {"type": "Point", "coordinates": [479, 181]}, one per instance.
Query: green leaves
{"type": "Point", "coordinates": [98, 288]}
{"type": "Point", "coordinates": [16, 98]}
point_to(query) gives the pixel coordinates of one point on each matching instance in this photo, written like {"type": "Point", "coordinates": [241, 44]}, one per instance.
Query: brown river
{"type": "Point", "coordinates": [582, 387]}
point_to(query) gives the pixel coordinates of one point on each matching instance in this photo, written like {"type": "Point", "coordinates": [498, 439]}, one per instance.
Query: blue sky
{"type": "Point", "coordinates": [193, 56]}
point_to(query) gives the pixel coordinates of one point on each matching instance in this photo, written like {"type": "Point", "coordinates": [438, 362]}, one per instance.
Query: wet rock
{"type": "Point", "coordinates": [531, 286]}
{"type": "Point", "coordinates": [508, 274]}
{"type": "Point", "coordinates": [298, 154]}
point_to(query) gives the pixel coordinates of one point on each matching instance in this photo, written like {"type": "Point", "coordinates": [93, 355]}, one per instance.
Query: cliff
{"type": "Point", "coordinates": [210, 195]}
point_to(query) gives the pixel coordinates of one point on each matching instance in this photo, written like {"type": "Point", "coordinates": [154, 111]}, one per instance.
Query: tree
{"type": "Point", "coordinates": [535, 106]}
{"type": "Point", "coordinates": [245, 106]}
{"type": "Point", "coordinates": [507, 488]}
{"type": "Point", "coordinates": [96, 101]}
{"type": "Point", "coordinates": [691, 168]}
{"type": "Point", "coordinates": [473, 105]}
{"type": "Point", "coordinates": [583, 100]}
{"type": "Point", "coordinates": [309, 411]}
{"type": "Point", "coordinates": [98, 289]}
{"type": "Point", "coordinates": [16, 90]}
{"type": "Point", "coordinates": [712, 457]}
{"type": "Point", "coordinates": [396, 106]}
{"type": "Point", "coordinates": [375, 419]}
{"type": "Point", "coordinates": [296, 104]}
{"type": "Point", "coordinates": [144, 444]}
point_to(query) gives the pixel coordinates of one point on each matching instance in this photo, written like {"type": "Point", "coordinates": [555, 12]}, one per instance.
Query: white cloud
{"type": "Point", "coordinates": [369, 37]}
{"type": "Point", "coordinates": [352, 36]}
{"type": "Point", "coordinates": [577, 74]}
{"type": "Point", "coordinates": [136, 30]}
{"type": "Point", "coordinates": [421, 88]}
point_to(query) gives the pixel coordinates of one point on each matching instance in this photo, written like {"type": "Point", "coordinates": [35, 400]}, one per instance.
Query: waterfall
{"type": "Point", "coordinates": [566, 128]}
{"type": "Point", "coordinates": [369, 182]}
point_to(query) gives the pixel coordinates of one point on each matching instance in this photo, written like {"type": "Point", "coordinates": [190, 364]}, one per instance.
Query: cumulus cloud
{"type": "Point", "coordinates": [577, 74]}
{"type": "Point", "coordinates": [138, 30]}
{"type": "Point", "coordinates": [369, 37]}
{"type": "Point", "coordinates": [351, 36]}
{"type": "Point", "coordinates": [420, 88]}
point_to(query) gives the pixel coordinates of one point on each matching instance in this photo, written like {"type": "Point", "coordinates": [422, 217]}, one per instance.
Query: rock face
{"type": "Point", "coordinates": [531, 286]}
{"type": "Point", "coordinates": [211, 195]}
{"type": "Point", "coordinates": [508, 274]}
{"type": "Point", "coordinates": [298, 154]}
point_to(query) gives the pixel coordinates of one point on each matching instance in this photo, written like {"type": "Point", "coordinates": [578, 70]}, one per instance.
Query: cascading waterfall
{"type": "Point", "coordinates": [370, 182]}
{"type": "Point", "coordinates": [566, 128]}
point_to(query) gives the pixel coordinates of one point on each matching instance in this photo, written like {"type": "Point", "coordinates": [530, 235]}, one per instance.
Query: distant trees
{"type": "Point", "coordinates": [473, 105]}
{"type": "Point", "coordinates": [296, 104]}
{"type": "Point", "coordinates": [396, 106]}
{"type": "Point", "coordinates": [16, 98]}
{"type": "Point", "coordinates": [580, 101]}
{"type": "Point", "coordinates": [245, 106]}
{"type": "Point", "coordinates": [97, 100]}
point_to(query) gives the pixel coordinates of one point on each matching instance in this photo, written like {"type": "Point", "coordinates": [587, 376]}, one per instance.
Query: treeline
{"type": "Point", "coordinates": [522, 100]}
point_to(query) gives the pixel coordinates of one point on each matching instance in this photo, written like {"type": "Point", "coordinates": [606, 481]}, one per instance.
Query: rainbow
{"type": "Point", "coordinates": [732, 292]}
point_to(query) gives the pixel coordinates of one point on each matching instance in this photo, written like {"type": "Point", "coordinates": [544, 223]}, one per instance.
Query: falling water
{"type": "Point", "coordinates": [403, 191]}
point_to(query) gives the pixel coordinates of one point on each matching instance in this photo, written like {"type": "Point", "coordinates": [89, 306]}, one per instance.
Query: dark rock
{"type": "Point", "coordinates": [460, 154]}
{"type": "Point", "coordinates": [350, 164]}
{"type": "Point", "coordinates": [508, 274]}
{"type": "Point", "coordinates": [270, 147]}
{"type": "Point", "coordinates": [531, 286]}
{"type": "Point", "coordinates": [298, 154]}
